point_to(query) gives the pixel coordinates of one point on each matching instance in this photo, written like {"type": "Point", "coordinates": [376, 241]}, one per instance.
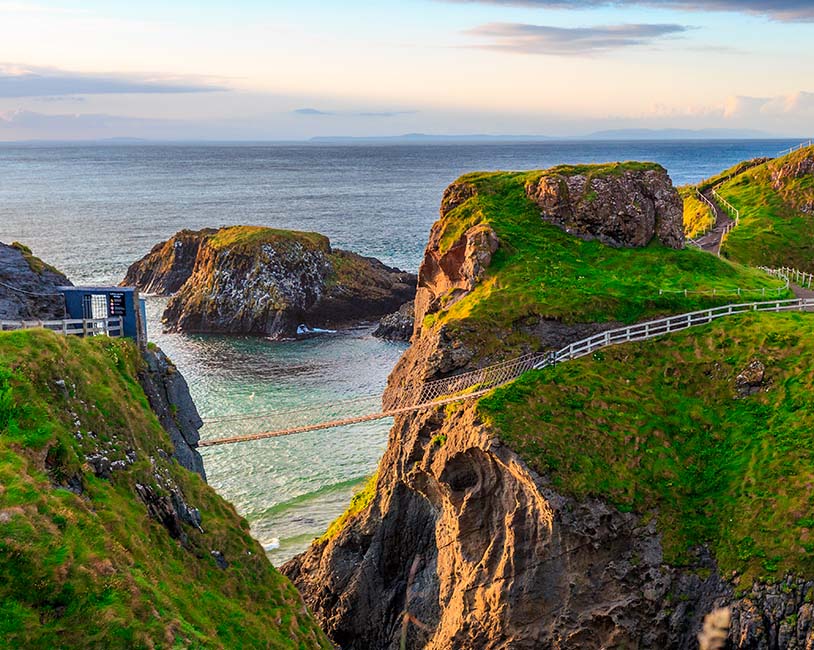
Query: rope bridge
{"type": "Point", "coordinates": [476, 383]}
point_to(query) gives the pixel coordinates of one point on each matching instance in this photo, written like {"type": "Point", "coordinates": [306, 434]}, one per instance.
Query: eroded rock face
{"type": "Point", "coordinates": [268, 283]}
{"type": "Point", "coordinates": [454, 272]}
{"type": "Point", "coordinates": [166, 268]}
{"type": "Point", "coordinates": [624, 209]}
{"type": "Point", "coordinates": [28, 286]}
{"type": "Point", "coordinates": [169, 397]}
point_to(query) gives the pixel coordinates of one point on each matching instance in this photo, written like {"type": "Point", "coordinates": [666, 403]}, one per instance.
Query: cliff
{"type": "Point", "coordinates": [106, 541]}
{"type": "Point", "coordinates": [607, 502]}
{"type": "Point", "coordinates": [776, 202]}
{"type": "Point", "coordinates": [28, 286]}
{"type": "Point", "coordinates": [265, 282]}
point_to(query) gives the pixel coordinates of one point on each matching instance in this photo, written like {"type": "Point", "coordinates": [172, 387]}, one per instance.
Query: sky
{"type": "Point", "coordinates": [292, 70]}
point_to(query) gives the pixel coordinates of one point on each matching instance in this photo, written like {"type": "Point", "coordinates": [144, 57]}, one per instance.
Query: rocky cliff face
{"type": "Point", "coordinates": [166, 268]}
{"type": "Point", "coordinates": [627, 208]}
{"type": "Point", "coordinates": [268, 283]}
{"type": "Point", "coordinates": [168, 394]}
{"type": "Point", "coordinates": [464, 545]}
{"type": "Point", "coordinates": [28, 286]}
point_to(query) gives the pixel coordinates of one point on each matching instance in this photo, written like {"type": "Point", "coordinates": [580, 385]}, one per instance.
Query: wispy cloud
{"type": "Point", "coordinates": [543, 39]}
{"type": "Point", "coordinates": [782, 10]}
{"type": "Point", "coordinates": [26, 81]}
{"type": "Point", "coordinates": [315, 112]}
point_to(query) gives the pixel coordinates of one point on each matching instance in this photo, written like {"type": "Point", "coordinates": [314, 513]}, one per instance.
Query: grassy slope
{"type": "Point", "coordinates": [771, 232]}
{"type": "Point", "coordinates": [95, 571]}
{"type": "Point", "coordinates": [656, 427]}
{"type": "Point", "coordinates": [540, 271]}
{"type": "Point", "coordinates": [698, 216]}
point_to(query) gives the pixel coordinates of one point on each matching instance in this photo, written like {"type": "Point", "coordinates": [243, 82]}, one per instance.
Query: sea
{"type": "Point", "coordinates": [93, 209]}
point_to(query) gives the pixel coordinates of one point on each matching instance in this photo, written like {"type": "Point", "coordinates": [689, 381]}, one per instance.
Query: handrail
{"type": "Point", "coordinates": [711, 207]}
{"type": "Point", "coordinates": [112, 326]}
{"type": "Point", "coordinates": [652, 329]}
{"type": "Point", "coordinates": [729, 207]}
{"type": "Point", "coordinates": [782, 273]}
{"type": "Point", "coordinates": [796, 147]}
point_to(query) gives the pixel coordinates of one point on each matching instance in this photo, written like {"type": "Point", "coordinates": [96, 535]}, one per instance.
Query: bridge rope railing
{"type": "Point", "coordinates": [479, 382]}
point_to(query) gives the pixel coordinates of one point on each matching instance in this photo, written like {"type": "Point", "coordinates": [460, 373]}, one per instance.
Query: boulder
{"type": "Point", "coordinates": [624, 207]}
{"type": "Point", "coordinates": [397, 326]}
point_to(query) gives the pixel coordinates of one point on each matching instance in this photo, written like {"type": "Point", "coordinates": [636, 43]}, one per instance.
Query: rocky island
{"type": "Point", "coordinates": [266, 282]}
{"type": "Point", "coordinates": [612, 501]}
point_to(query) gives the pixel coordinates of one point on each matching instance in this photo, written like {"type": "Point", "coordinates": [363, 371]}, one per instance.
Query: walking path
{"type": "Point", "coordinates": [711, 242]}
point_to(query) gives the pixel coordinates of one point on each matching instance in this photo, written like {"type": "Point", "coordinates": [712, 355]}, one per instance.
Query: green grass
{"type": "Point", "coordinates": [772, 232]}
{"type": "Point", "coordinates": [656, 428]}
{"type": "Point", "coordinates": [94, 570]}
{"type": "Point", "coordinates": [539, 272]}
{"type": "Point", "coordinates": [698, 216]}
{"type": "Point", "coordinates": [361, 500]}
{"type": "Point", "coordinates": [249, 237]}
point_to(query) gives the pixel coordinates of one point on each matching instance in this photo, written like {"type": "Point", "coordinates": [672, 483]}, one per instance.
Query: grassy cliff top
{"type": "Point", "coordinates": [773, 229]}
{"type": "Point", "coordinates": [658, 427]}
{"type": "Point", "coordinates": [94, 570]}
{"type": "Point", "coordinates": [540, 271]}
{"type": "Point", "coordinates": [250, 237]}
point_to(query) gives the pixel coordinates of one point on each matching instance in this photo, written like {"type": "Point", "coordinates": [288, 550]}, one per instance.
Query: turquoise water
{"type": "Point", "coordinates": [291, 488]}
{"type": "Point", "coordinates": [92, 210]}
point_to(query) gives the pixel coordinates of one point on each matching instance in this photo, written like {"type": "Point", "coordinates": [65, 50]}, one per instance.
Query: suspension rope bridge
{"type": "Point", "coordinates": [469, 385]}
{"type": "Point", "coordinates": [477, 383]}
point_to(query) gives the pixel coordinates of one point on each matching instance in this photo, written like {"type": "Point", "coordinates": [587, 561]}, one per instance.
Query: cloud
{"type": "Point", "coordinates": [798, 104]}
{"type": "Point", "coordinates": [22, 81]}
{"type": "Point", "coordinates": [542, 39]}
{"type": "Point", "coordinates": [782, 10]}
{"type": "Point", "coordinates": [315, 112]}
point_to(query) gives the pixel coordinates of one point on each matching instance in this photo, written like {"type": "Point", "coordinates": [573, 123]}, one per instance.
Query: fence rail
{"type": "Point", "coordinates": [796, 147]}
{"type": "Point", "coordinates": [69, 327]}
{"type": "Point", "coordinates": [652, 329]}
{"type": "Point", "coordinates": [731, 209]}
{"type": "Point", "coordinates": [712, 209]}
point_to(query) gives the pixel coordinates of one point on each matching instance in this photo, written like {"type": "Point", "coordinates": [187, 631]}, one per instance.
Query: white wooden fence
{"type": "Point", "coordinates": [796, 147]}
{"type": "Point", "coordinates": [69, 327]}
{"type": "Point", "coordinates": [731, 209]}
{"type": "Point", "coordinates": [654, 328]}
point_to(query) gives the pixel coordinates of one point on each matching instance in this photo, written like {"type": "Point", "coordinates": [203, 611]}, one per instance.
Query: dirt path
{"type": "Point", "coordinates": [711, 242]}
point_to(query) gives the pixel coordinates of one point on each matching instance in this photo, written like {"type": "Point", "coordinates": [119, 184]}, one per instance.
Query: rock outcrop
{"type": "Point", "coordinates": [397, 326]}
{"type": "Point", "coordinates": [28, 286]}
{"type": "Point", "coordinates": [620, 206]}
{"type": "Point", "coordinates": [168, 394]}
{"type": "Point", "coordinates": [166, 268]}
{"type": "Point", "coordinates": [264, 282]}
